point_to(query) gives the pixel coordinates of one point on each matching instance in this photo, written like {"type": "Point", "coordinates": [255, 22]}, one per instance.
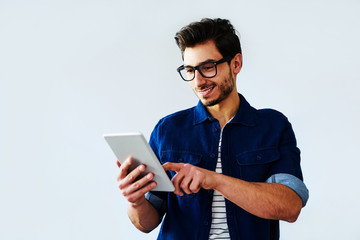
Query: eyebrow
{"type": "Point", "coordinates": [206, 61]}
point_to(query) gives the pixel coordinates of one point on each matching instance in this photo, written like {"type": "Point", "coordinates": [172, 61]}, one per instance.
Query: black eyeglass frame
{"type": "Point", "coordinates": [182, 67]}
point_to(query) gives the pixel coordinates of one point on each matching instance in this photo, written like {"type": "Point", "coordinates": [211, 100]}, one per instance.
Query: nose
{"type": "Point", "coordinates": [199, 80]}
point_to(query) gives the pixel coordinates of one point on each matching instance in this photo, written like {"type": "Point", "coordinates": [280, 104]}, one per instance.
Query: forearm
{"type": "Point", "coordinates": [144, 216]}
{"type": "Point", "coordinates": [265, 200]}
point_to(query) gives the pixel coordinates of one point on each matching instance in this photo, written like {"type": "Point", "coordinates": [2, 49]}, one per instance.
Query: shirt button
{"type": "Point", "coordinates": [212, 155]}
{"type": "Point", "coordinates": [258, 157]}
{"type": "Point", "coordinates": [206, 223]}
{"type": "Point", "coordinates": [215, 129]}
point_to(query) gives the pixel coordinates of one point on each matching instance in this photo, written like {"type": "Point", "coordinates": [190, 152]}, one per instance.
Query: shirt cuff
{"type": "Point", "coordinates": [292, 182]}
{"type": "Point", "coordinates": [156, 202]}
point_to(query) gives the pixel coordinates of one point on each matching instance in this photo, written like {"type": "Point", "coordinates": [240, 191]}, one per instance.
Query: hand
{"type": "Point", "coordinates": [190, 178]}
{"type": "Point", "coordinates": [134, 189]}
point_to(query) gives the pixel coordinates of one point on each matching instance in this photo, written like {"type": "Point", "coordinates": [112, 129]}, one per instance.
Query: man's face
{"type": "Point", "coordinates": [210, 91]}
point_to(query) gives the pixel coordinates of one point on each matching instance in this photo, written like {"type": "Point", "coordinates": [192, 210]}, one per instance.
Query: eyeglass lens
{"type": "Point", "coordinates": [206, 70]}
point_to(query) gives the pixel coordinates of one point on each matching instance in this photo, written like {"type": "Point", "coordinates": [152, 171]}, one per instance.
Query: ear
{"type": "Point", "coordinates": [236, 63]}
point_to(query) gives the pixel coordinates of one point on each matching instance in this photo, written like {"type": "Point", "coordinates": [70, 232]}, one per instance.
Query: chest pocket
{"type": "Point", "coordinates": [180, 157]}
{"type": "Point", "coordinates": [255, 166]}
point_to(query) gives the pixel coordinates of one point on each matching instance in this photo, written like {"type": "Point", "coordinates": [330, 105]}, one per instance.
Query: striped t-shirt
{"type": "Point", "coordinates": [219, 228]}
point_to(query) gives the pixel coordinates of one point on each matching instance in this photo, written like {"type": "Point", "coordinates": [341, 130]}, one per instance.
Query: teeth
{"type": "Point", "coordinates": [207, 90]}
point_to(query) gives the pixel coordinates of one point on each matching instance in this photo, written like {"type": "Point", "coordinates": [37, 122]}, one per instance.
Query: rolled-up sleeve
{"type": "Point", "coordinates": [156, 202]}
{"type": "Point", "coordinates": [292, 182]}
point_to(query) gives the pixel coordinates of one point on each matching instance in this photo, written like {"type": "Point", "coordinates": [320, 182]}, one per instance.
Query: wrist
{"type": "Point", "coordinates": [212, 180]}
{"type": "Point", "coordinates": [138, 203]}
{"type": "Point", "coordinates": [216, 180]}
{"type": "Point", "coordinates": [220, 182]}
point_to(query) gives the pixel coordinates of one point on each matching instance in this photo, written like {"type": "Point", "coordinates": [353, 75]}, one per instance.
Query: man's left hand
{"type": "Point", "coordinates": [189, 178]}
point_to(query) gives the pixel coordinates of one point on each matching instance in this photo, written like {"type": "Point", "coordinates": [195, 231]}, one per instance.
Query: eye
{"type": "Point", "coordinates": [207, 67]}
{"type": "Point", "coordinates": [189, 70]}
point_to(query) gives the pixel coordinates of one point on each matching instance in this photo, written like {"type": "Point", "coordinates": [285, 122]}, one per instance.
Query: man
{"type": "Point", "coordinates": [236, 170]}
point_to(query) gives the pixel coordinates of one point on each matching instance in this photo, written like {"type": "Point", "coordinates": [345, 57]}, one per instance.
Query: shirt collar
{"type": "Point", "coordinates": [245, 114]}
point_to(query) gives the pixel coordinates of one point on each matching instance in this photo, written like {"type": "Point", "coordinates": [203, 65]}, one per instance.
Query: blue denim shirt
{"type": "Point", "coordinates": [257, 146]}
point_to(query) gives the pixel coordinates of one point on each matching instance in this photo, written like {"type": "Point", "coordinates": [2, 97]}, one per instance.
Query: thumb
{"type": "Point", "coordinates": [118, 163]}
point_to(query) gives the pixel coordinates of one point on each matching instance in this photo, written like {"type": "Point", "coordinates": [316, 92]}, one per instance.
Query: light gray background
{"type": "Point", "coordinates": [73, 70]}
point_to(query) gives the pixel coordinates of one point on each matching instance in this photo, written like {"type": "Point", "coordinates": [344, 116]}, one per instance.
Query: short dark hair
{"type": "Point", "coordinates": [219, 30]}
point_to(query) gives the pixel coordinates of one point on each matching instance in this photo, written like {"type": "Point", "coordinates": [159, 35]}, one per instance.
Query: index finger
{"type": "Point", "coordinates": [124, 168]}
{"type": "Point", "coordinates": [173, 166]}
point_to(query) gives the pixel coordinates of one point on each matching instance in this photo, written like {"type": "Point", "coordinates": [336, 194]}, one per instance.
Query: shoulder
{"type": "Point", "coordinates": [270, 113]}
{"type": "Point", "coordinates": [171, 126]}
{"type": "Point", "coordinates": [272, 118]}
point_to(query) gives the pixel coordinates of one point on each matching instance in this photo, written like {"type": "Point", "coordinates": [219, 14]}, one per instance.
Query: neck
{"type": "Point", "coordinates": [226, 109]}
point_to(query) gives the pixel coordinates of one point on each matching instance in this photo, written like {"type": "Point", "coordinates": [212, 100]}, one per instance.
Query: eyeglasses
{"type": "Point", "coordinates": [206, 69]}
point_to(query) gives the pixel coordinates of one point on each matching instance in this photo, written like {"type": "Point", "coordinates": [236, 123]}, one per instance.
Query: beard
{"type": "Point", "coordinates": [225, 89]}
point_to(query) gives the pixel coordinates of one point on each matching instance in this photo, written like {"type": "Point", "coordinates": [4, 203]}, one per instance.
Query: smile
{"type": "Point", "coordinates": [207, 91]}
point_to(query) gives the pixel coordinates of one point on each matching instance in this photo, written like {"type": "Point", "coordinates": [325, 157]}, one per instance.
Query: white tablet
{"type": "Point", "coordinates": [135, 145]}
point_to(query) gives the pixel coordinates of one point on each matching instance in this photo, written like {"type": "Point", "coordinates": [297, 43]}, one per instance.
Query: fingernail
{"type": "Point", "coordinates": [179, 193]}
{"type": "Point", "coordinates": [149, 176]}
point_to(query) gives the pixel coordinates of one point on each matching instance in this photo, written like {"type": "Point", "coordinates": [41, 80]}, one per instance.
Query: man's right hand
{"type": "Point", "coordinates": [134, 189]}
